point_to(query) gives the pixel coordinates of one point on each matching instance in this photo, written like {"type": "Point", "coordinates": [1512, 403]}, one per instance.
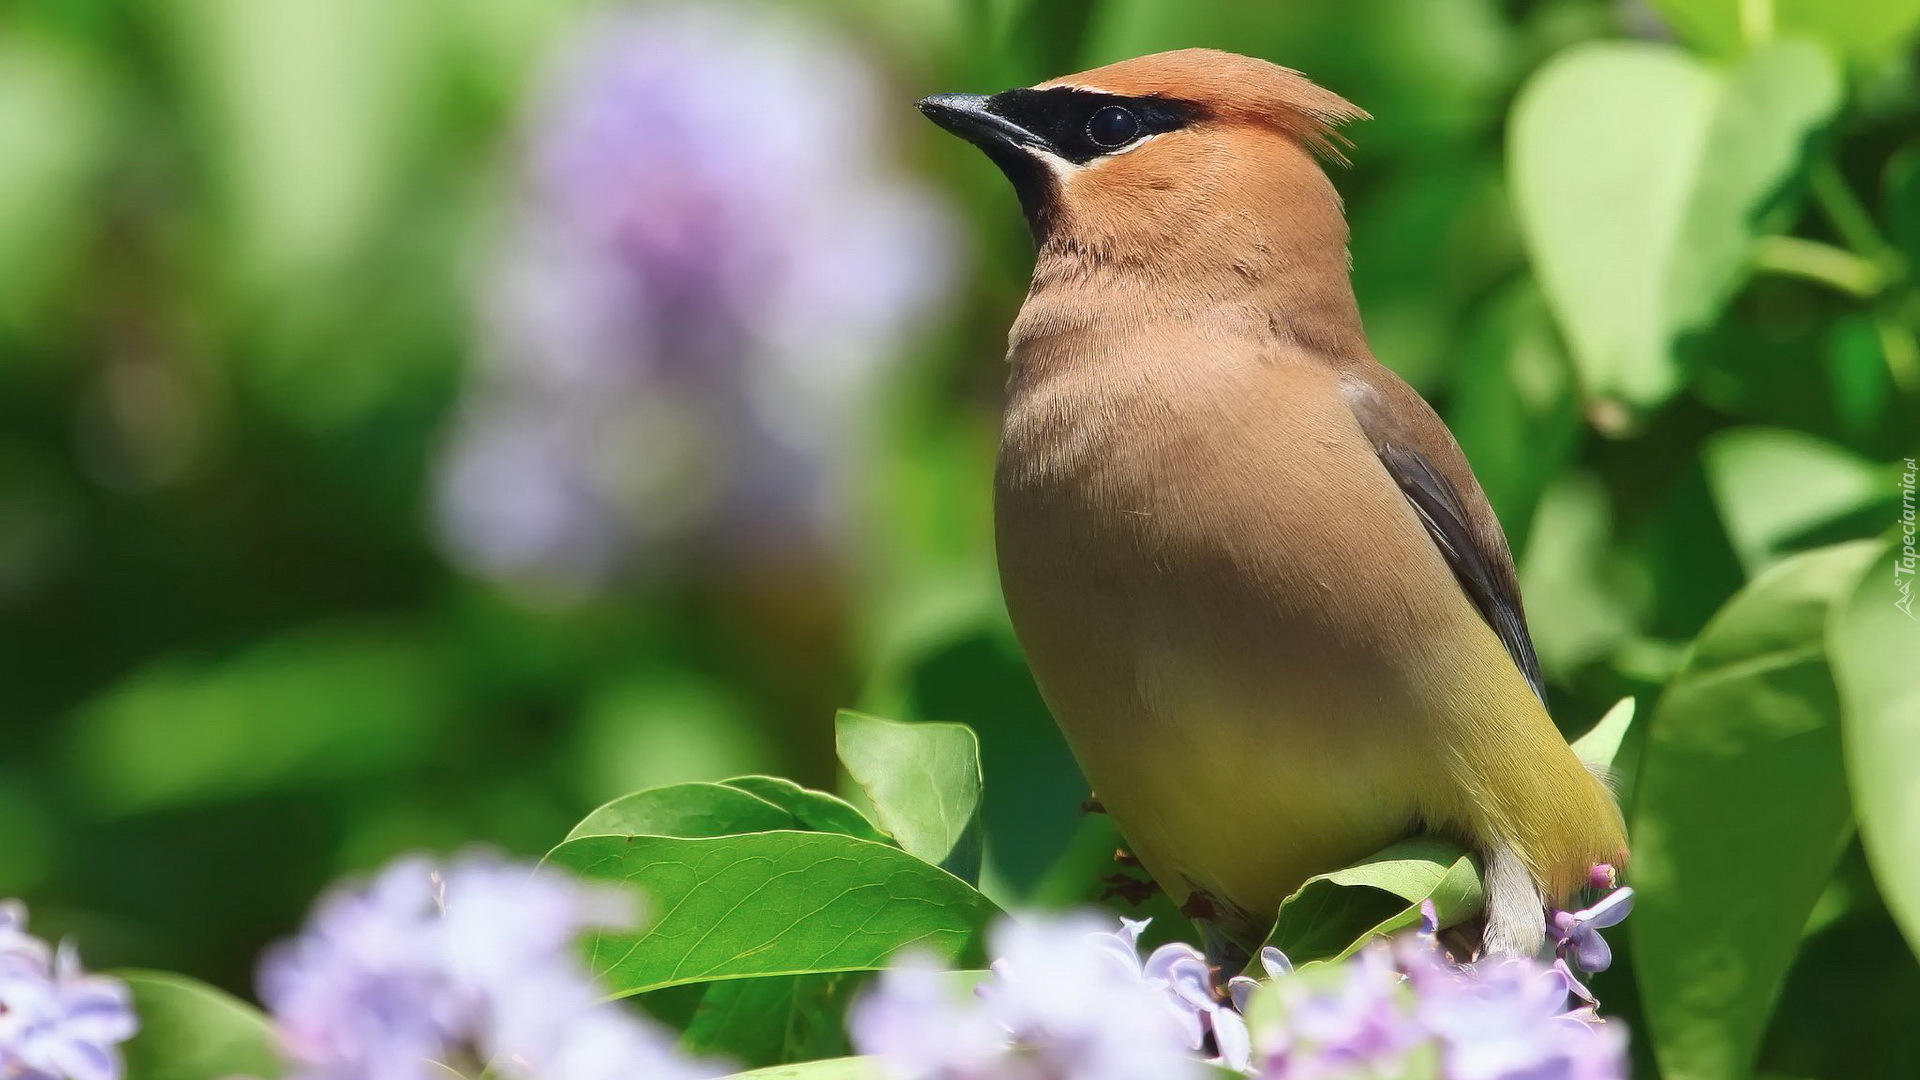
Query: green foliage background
{"type": "Point", "coordinates": [1654, 262]}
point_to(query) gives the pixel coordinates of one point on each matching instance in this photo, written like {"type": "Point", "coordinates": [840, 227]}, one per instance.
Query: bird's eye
{"type": "Point", "coordinates": [1113, 127]}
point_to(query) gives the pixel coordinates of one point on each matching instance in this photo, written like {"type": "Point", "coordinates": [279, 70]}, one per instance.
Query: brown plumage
{"type": "Point", "coordinates": [1253, 573]}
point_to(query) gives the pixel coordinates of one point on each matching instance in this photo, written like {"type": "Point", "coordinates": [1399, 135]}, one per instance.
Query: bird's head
{"type": "Point", "coordinates": [1149, 156]}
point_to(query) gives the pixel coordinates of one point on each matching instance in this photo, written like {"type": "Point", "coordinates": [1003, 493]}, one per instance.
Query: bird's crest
{"type": "Point", "coordinates": [1233, 88]}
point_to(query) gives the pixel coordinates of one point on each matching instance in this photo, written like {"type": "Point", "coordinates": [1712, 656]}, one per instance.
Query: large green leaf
{"type": "Point", "coordinates": [1772, 486]}
{"type": "Point", "coordinates": [1639, 173]}
{"type": "Point", "coordinates": [923, 780]}
{"type": "Point", "coordinates": [191, 1031]}
{"type": "Point", "coordinates": [1332, 915]}
{"type": "Point", "coordinates": [1875, 649]}
{"type": "Point", "coordinates": [1740, 813]}
{"type": "Point", "coordinates": [725, 809]}
{"type": "Point", "coordinates": [772, 1021]}
{"type": "Point", "coordinates": [774, 903]}
{"type": "Point", "coordinates": [685, 810]}
{"type": "Point", "coordinates": [816, 811]}
{"type": "Point", "coordinates": [1867, 30]}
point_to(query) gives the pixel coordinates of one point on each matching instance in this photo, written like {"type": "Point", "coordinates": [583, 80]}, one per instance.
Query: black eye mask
{"type": "Point", "coordinates": [1080, 125]}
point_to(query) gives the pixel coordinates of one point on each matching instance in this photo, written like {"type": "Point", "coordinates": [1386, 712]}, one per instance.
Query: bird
{"type": "Point", "coordinates": [1252, 572]}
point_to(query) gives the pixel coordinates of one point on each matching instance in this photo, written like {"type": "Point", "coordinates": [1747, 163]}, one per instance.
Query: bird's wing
{"type": "Point", "coordinates": [1423, 459]}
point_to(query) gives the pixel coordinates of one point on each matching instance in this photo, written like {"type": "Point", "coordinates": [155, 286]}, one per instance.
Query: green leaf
{"type": "Point", "coordinates": [191, 1031]}
{"type": "Point", "coordinates": [846, 1068]}
{"type": "Point", "coordinates": [772, 1021]}
{"type": "Point", "coordinates": [310, 707]}
{"type": "Point", "coordinates": [55, 120]}
{"type": "Point", "coordinates": [816, 811]}
{"type": "Point", "coordinates": [1601, 746]}
{"type": "Point", "coordinates": [309, 111]}
{"type": "Point", "coordinates": [1772, 486]}
{"type": "Point", "coordinates": [776, 903]}
{"type": "Point", "coordinates": [685, 810]}
{"type": "Point", "coordinates": [1875, 649]}
{"type": "Point", "coordinates": [1639, 172]}
{"type": "Point", "coordinates": [1332, 915]}
{"type": "Point", "coordinates": [924, 782]}
{"type": "Point", "coordinates": [1515, 407]}
{"type": "Point", "coordinates": [724, 809]}
{"type": "Point", "coordinates": [1866, 30]}
{"type": "Point", "coordinates": [1582, 604]}
{"type": "Point", "coordinates": [1745, 743]}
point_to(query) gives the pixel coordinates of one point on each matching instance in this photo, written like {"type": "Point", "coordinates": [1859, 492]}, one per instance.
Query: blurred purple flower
{"type": "Point", "coordinates": [57, 1022]}
{"type": "Point", "coordinates": [1067, 1000]}
{"type": "Point", "coordinates": [1508, 1020]}
{"type": "Point", "coordinates": [1577, 933]}
{"type": "Point", "coordinates": [1355, 1023]}
{"type": "Point", "coordinates": [472, 960]}
{"type": "Point", "coordinates": [708, 269]}
{"type": "Point", "coordinates": [922, 1029]}
{"type": "Point", "coordinates": [1498, 1019]}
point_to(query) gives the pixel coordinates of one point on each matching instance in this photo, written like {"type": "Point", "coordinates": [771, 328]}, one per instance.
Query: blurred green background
{"type": "Point", "coordinates": [348, 507]}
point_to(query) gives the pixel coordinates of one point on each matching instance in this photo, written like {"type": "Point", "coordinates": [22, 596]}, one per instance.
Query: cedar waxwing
{"type": "Point", "coordinates": [1257, 582]}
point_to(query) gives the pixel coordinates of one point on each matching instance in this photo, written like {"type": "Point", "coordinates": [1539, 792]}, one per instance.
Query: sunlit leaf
{"type": "Point", "coordinates": [1772, 486]}
{"type": "Point", "coordinates": [725, 809]}
{"type": "Point", "coordinates": [685, 810]}
{"type": "Point", "coordinates": [1600, 746]}
{"type": "Point", "coordinates": [1739, 816]}
{"type": "Point", "coordinates": [816, 811]}
{"type": "Point", "coordinates": [1876, 664]}
{"type": "Point", "coordinates": [1866, 30]}
{"type": "Point", "coordinates": [307, 110]}
{"type": "Point", "coordinates": [54, 118]}
{"type": "Point", "coordinates": [1639, 172]}
{"type": "Point", "coordinates": [923, 780]}
{"type": "Point", "coordinates": [780, 903]}
{"type": "Point", "coordinates": [191, 1031]}
{"type": "Point", "coordinates": [1332, 915]}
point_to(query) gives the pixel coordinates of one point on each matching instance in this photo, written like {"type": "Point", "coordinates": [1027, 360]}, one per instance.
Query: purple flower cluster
{"type": "Point", "coordinates": [1395, 1004]}
{"type": "Point", "coordinates": [57, 1022]}
{"type": "Point", "coordinates": [469, 963]}
{"type": "Point", "coordinates": [710, 265]}
{"type": "Point", "coordinates": [1068, 1000]}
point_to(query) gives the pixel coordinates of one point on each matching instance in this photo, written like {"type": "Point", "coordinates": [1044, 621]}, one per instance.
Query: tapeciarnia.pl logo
{"type": "Point", "coordinates": [1904, 566]}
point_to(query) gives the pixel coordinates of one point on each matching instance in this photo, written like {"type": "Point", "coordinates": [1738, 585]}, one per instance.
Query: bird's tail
{"type": "Point", "coordinates": [1542, 822]}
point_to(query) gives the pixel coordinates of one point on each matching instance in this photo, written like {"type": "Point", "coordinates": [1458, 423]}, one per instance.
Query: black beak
{"type": "Point", "coordinates": [968, 116]}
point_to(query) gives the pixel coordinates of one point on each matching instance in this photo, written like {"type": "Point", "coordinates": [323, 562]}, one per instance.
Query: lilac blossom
{"type": "Point", "coordinates": [57, 1022]}
{"type": "Point", "coordinates": [1495, 1019]}
{"type": "Point", "coordinates": [1577, 933]}
{"type": "Point", "coordinates": [708, 269]}
{"type": "Point", "coordinates": [470, 963]}
{"type": "Point", "coordinates": [1070, 1000]}
{"type": "Point", "coordinates": [1067, 999]}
